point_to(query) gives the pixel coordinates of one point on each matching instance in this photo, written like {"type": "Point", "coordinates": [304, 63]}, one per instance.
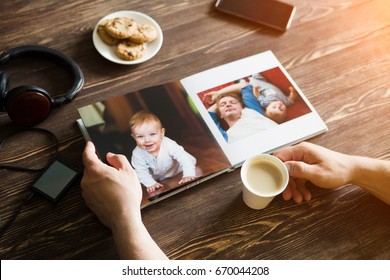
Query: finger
{"type": "Point", "coordinates": [302, 193]}
{"type": "Point", "coordinates": [297, 196]}
{"type": "Point", "coordinates": [285, 154]}
{"type": "Point", "coordinates": [293, 153]}
{"type": "Point", "coordinates": [287, 193]}
{"type": "Point", "coordinates": [300, 169]}
{"type": "Point", "coordinates": [89, 154]}
{"type": "Point", "coordinates": [119, 162]}
{"type": "Point", "coordinates": [303, 190]}
{"type": "Point", "coordinates": [91, 161]}
{"type": "Point", "coordinates": [295, 193]}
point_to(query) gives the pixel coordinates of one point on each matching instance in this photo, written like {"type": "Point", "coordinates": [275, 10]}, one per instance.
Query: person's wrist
{"type": "Point", "coordinates": [127, 222]}
{"type": "Point", "coordinates": [353, 164]}
{"type": "Point", "coordinates": [129, 213]}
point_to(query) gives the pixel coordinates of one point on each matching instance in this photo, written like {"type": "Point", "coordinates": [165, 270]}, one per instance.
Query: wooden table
{"type": "Point", "coordinates": [337, 51]}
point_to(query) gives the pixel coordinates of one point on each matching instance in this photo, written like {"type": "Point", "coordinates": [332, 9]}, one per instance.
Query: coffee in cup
{"type": "Point", "coordinates": [264, 177]}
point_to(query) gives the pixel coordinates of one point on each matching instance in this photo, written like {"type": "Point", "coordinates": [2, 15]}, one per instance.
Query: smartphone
{"type": "Point", "coordinates": [272, 13]}
{"type": "Point", "coordinates": [56, 179]}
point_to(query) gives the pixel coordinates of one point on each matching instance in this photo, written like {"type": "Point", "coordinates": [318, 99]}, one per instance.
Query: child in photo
{"type": "Point", "coordinates": [271, 98]}
{"type": "Point", "coordinates": [156, 156]}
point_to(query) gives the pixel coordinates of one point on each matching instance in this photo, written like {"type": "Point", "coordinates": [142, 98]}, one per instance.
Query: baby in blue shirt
{"type": "Point", "coordinates": [271, 98]}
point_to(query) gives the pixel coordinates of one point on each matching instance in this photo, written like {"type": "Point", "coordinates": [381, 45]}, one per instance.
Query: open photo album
{"type": "Point", "coordinates": [181, 133]}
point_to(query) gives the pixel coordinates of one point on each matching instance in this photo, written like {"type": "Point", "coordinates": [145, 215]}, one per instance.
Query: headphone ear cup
{"type": "Point", "coordinates": [4, 85]}
{"type": "Point", "coordinates": [27, 105]}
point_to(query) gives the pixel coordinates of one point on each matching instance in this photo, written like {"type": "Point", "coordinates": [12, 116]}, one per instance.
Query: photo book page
{"type": "Point", "coordinates": [263, 83]}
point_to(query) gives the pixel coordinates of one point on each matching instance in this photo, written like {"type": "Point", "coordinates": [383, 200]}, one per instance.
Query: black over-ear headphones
{"type": "Point", "coordinates": [29, 105]}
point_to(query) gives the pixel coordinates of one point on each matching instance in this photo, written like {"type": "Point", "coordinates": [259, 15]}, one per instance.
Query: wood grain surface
{"type": "Point", "coordinates": [337, 51]}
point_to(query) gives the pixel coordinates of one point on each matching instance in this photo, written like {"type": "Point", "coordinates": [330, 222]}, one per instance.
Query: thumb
{"type": "Point", "coordinates": [89, 156]}
{"type": "Point", "coordinates": [299, 169]}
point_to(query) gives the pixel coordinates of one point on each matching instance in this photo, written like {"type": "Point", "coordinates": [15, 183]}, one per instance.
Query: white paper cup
{"type": "Point", "coordinates": [264, 177]}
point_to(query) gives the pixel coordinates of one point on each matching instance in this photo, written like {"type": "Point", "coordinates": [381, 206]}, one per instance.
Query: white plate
{"type": "Point", "coordinates": [108, 52]}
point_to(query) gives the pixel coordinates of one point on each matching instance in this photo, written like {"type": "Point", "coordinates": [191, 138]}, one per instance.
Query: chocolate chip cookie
{"type": "Point", "coordinates": [106, 38]}
{"type": "Point", "coordinates": [144, 33]}
{"type": "Point", "coordinates": [121, 27]}
{"type": "Point", "coordinates": [129, 50]}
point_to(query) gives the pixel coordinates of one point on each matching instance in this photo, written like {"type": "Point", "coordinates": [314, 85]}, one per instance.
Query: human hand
{"type": "Point", "coordinates": [210, 97]}
{"type": "Point", "coordinates": [154, 187]}
{"type": "Point", "coordinates": [187, 179]}
{"type": "Point", "coordinates": [256, 90]}
{"type": "Point", "coordinates": [323, 167]}
{"type": "Point", "coordinates": [113, 192]}
{"type": "Point", "coordinates": [293, 95]}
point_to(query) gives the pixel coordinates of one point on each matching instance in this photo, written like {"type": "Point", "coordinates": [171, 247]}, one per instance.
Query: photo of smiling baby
{"type": "Point", "coordinates": [157, 157]}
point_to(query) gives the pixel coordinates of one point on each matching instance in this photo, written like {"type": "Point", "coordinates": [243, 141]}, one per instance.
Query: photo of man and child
{"type": "Point", "coordinates": [252, 104]}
